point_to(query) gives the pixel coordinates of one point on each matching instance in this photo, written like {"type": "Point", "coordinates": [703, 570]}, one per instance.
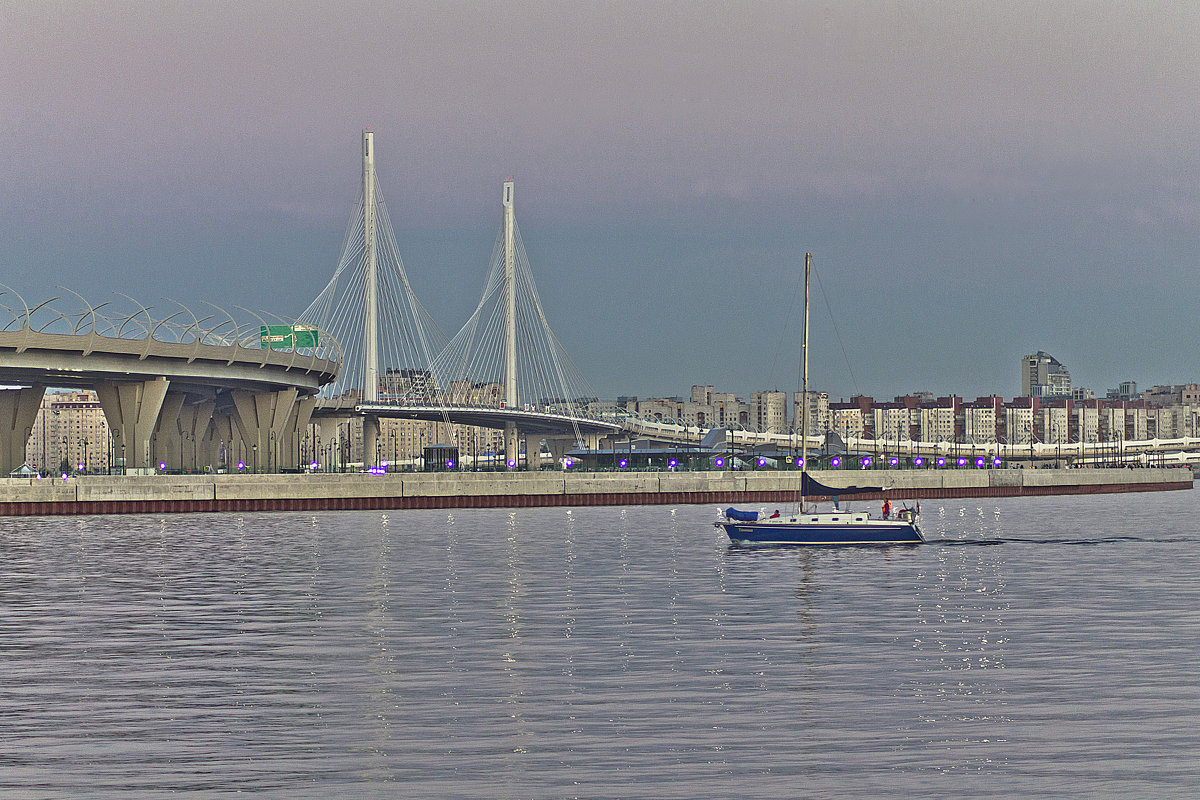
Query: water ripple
{"type": "Point", "coordinates": [602, 652]}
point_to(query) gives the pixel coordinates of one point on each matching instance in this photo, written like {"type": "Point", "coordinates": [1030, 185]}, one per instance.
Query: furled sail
{"type": "Point", "coordinates": [813, 487]}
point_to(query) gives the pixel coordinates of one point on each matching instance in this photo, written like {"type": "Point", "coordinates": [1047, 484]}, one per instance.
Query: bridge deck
{"type": "Point", "coordinates": [534, 422]}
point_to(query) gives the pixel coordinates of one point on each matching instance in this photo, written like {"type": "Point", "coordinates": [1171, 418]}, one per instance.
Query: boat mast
{"type": "Point", "coordinates": [804, 386]}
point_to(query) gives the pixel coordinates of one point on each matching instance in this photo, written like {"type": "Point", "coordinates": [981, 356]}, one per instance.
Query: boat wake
{"type": "Point", "coordinates": [1030, 540]}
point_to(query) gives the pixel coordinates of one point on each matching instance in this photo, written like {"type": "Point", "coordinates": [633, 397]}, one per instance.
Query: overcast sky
{"type": "Point", "coordinates": [976, 181]}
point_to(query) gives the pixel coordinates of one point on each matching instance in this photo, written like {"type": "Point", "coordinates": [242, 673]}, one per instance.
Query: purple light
{"type": "Point", "coordinates": [64, 476]}
{"type": "Point", "coordinates": [449, 463]}
{"type": "Point", "coordinates": [961, 461]}
{"type": "Point", "coordinates": [720, 462]}
{"type": "Point", "coordinates": [570, 462]}
{"type": "Point", "coordinates": [511, 463]}
{"type": "Point", "coordinates": [894, 461]}
{"type": "Point", "coordinates": [979, 462]}
{"type": "Point", "coordinates": [162, 465]}
{"type": "Point", "coordinates": [762, 462]}
{"type": "Point", "coordinates": [836, 462]}
{"type": "Point", "coordinates": [941, 462]}
{"type": "Point", "coordinates": [919, 462]}
{"type": "Point", "coordinates": [315, 466]}
{"type": "Point", "coordinates": [624, 462]}
{"type": "Point", "coordinates": [866, 461]}
{"type": "Point", "coordinates": [800, 461]}
{"type": "Point", "coordinates": [996, 461]}
{"type": "Point", "coordinates": [672, 463]}
{"type": "Point", "coordinates": [241, 465]}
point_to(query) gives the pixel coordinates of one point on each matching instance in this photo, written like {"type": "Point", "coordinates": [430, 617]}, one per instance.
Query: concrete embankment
{"type": "Point", "coordinates": [192, 493]}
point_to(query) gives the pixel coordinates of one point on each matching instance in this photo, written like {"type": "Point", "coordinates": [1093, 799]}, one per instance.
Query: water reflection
{"type": "Point", "coordinates": [961, 641]}
{"type": "Point", "coordinates": [514, 673]}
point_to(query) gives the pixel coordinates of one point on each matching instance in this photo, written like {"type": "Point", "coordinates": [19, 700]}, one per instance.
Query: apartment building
{"type": "Point", "coordinates": [69, 434]}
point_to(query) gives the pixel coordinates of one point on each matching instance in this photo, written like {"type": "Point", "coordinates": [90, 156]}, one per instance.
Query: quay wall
{"type": "Point", "coordinates": [103, 494]}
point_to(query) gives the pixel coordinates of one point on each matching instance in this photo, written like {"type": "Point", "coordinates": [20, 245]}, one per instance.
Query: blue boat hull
{"type": "Point", "coordinates": [875, 533]}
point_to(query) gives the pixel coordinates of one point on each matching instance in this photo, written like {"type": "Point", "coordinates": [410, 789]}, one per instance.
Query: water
{"type": "Point", "coordinates": [1034, 648]}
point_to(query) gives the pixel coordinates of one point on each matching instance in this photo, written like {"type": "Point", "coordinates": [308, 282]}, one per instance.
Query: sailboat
{"type": "Point", "coordinates": [808, 526]}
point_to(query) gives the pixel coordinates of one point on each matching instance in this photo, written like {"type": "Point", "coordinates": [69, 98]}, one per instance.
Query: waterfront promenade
{"type": "Point", "coordinates": [103, 494]}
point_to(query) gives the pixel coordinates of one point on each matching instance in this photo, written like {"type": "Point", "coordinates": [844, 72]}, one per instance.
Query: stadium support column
{"type": "Point", "coordinates": [264, 420]}
{"type": "Point", "coordinates": [511, 438]}
{"type": "Point", "coordinates": [18, 411]}
{"type": "Point", "coordinates": [131, 410]}
{"type": "Point", "coordinates": [195, 422]}
{"type": "Point", "coordinates": [297, 425]}
{"type": "Point", "coordinates": [219, 446]}
{"type": "Point", "coordinates": [168, 440]}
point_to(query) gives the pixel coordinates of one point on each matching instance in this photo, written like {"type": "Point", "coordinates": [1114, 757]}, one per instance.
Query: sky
{"type": "Point", "coordinates": [975, 180]}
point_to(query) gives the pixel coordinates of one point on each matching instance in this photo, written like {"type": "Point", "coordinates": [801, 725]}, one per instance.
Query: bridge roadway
{"type": "Point", "coordinates": [158, 395]}
{"type": "Point", "coordinates": [539, 423]}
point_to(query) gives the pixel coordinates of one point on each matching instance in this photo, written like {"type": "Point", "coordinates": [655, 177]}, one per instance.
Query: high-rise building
{"type": "Point", "coordinates": [1043, 376]}
{"type": "Point", "coordinates": [768, 411]}
{"type": "Point", "coordinates": [818, 412]}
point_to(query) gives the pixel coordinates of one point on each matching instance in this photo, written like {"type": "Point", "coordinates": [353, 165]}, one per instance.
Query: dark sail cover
{"type": "Point", "coordinates": [813, 487]}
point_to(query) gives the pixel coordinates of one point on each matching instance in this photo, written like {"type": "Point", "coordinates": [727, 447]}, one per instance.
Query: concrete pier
{"type": "Point", "coordinates": [102, 494]}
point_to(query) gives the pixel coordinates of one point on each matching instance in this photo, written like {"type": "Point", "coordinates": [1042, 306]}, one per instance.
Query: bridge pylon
{"type": "Point", "coordinates": [506, 354]}
{"type": "Point", "coordinates": [388, 338]}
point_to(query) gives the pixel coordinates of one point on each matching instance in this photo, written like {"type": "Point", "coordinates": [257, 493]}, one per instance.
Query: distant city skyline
{"type": "Point", "coordinates": [975, 181]}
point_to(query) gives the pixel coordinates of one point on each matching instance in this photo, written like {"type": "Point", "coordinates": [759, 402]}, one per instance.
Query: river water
{"type": "Point", "coordinates": [1043, 647]}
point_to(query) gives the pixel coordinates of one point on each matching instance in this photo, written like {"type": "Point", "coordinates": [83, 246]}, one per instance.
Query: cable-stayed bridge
{"type": "Point", "coordinates": [367, 351]}
{"type": "Point", "coordinates": [504, 369]}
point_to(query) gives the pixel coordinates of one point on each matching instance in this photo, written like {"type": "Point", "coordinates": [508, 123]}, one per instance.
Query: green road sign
{"type": "Point", "coordinates": [287, 337]}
